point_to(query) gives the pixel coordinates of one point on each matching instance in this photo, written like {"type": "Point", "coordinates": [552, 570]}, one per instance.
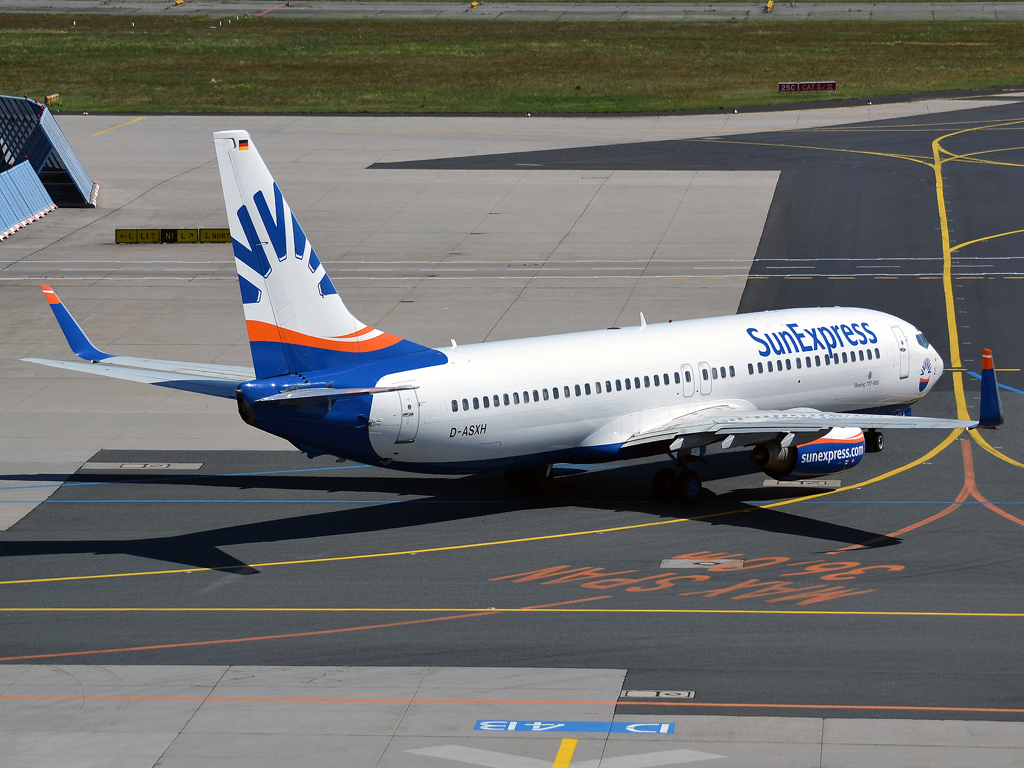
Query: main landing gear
{"type": "Point", "coordinates": [529, 479]}
{"type": "Point", "coordinates": [681, 484]}
{"type": "Point", "coordinates": [873, 442]}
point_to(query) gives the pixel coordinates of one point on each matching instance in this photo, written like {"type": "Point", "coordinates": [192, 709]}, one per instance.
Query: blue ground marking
{"type": "Point", "coordinates": [1001, 386]}
{"type": "Point", "coordinates": [577, 726]}
{"type": "Point", "coordinates": [164, 478]}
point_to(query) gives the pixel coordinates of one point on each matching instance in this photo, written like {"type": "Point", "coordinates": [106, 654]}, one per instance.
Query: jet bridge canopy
{"type": "Point", "coordinates": [29, 133]}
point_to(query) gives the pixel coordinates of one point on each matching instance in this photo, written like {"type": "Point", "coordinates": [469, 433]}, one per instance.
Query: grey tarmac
{"type": "Point", "coordinates": [263, 608]}
{"type": "Point", "coordinates": [540, 11]}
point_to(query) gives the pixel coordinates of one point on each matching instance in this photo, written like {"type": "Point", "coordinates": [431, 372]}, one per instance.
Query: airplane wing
{"type": "Point", "coordinates": [204, 378]}
{"type": "Point", "coordinates": [723, 421]}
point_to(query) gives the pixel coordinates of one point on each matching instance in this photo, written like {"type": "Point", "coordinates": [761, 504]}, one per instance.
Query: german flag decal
{"type": "Point", "coordinates": [243, 143]}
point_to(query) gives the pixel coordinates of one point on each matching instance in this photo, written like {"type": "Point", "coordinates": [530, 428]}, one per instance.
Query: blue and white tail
{"type": "Point", "coordinates": [295, 318]}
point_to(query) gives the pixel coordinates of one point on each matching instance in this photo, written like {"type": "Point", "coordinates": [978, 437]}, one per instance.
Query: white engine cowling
{"type": "Point", "coordinates": [840, 449]}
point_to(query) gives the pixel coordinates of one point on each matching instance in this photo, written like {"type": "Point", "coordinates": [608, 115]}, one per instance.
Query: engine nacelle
{"type": "Point", "coordinates": [838, 450]}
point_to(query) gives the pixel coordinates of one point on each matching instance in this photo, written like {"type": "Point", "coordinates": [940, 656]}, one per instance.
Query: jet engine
{"type": "Point", "coordinates": [838, 450]}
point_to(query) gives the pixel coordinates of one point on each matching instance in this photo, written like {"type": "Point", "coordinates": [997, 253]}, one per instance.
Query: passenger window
{"type": "Point", "coordinates": [554, 392]}
{"type": "Point", "coordinates": [476, 404]}
{"type": "Point", "coordinates": [789, 364]}
{"type": "Point", "coordinates": [817, 361]}
{"type": "Point", "coordinates": [515, 398]}
{"type": "Point", "coordinates": [636, 382]}
{"type": "Point", "coordinates": [565, 391]}
{"type": "Point", "coordinates": [465, 404]}
{"type": "Point", "coordinates": [647, 381]}
{"type": "Point", "coordinates": [526, 397]}
{"type": "Point", "coordinates": [495, 401]}
{"type": "Point", "coordinates": [835, 358]}
{"type": "Point", "coordinates": [869, 354]}
{"type": "Point", "coordinates": [607, 386]}
{"type": "Point", "coordinates": [860, 354]}
{"type": "Point", "coordinates": [628, 384]}
{"type": "Point", "coordinates": [828, 359]}
{"type": "Point", "coordinates": [578, 393]}
{"type": "Point", "coordinates": [722, 369]}
{"type": "Point", "coordinates": [505, 398]}
{"type": "Point", "coordinates": [657, 380]}
{"type": "Point", "coordinates": [487, 402]}
{"type": "Point", "coordinates": [770, 369]}
{"type": "Point", "coordinates": [750, 368]}
{"type": "Point", "coordinates": [586, 388]}
{"type": "Point", "coordinates": [714, 373]}
{"type": "Point", "coordinates": [844, 357]}
{"type": "Point", "coordinates": [760, 368]}
{"type": "Point", "coordinates": [798, 363]}
{"type": "Point", "coordinates": [455, 406]}
{"type": "Point", "coordinates": [876, 353]}
{"type": "Point", "coordinates": [704, 373]}
{"type": "Point", "coordinates": [543, 392]}
{"type": "Point", "coordinates": [536, 397]}
{"type": "Point", "coordinates": [807, 361]}
{"type": "Point", "coordinates": [778, 366]}
{"type": "Point", "coordinates": [732, 372]}
{"type": "Point", "coordinates": [597, 386]}
{"type": "Point", "coordinates": [618, 385]}
{"type": "Point", "coordinates": [687, 376]}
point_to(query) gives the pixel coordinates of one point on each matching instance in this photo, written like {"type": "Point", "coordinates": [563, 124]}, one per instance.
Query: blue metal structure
{"type": "Point", "coordinates": [28, 133]}
{"type": "Point", "coordinates": [23, 199]}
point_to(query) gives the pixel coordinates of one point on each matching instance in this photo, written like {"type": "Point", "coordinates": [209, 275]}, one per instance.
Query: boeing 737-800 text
{"type": "Point", "coordinates": [808, 391]}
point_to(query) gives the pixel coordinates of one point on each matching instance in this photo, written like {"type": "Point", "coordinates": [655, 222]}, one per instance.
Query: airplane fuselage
{"type": "Point", "coordinates": [580, 396]}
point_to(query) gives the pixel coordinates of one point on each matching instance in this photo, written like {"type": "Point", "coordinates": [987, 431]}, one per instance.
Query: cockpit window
{"type": "Point", "coordinates": [922, 341]}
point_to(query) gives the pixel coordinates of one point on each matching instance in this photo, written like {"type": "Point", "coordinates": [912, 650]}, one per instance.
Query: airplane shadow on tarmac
{"type": "Point", "coordinates": [440, 499]}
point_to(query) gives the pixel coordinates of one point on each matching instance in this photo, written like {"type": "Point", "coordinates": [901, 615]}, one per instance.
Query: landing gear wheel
{"type": "Point", "coordinates": [529, 479]}
{"type": "Point", "coordinates": [661, 485]}
{"type": "Point", "coordinates": [686, 486]}
{"type": "Point", "coordinates": [873, 442]}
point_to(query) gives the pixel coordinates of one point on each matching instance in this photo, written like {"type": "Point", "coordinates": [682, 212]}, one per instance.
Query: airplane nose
{"type": "Point", "coordinates": [938, 366]}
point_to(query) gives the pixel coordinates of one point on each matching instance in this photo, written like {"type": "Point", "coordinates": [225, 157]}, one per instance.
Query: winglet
{"type": "Point", "coordinates": [991, 410]}
{"type": "Point", "coordinates": [76, 337]}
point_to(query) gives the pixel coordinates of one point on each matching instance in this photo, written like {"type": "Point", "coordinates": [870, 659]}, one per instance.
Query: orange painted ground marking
{"type": "Point", "coordinates": [474, 702]}
{"type": "Point", "coordinates": [284, 636]}
{"type": "Point", "coordinates": [969, 490]}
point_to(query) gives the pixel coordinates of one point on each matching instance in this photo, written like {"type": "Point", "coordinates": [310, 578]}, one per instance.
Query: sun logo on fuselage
{"type": "Point", "coordinates": [926, 375]}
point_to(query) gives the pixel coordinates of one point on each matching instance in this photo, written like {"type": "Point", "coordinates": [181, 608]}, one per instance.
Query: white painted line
{"type": "Point", "coordinates": [682, 562]}
{"type": "Point", "coordinates": [140, 465]}
{"type": "Point", "coordinates": [482, 757]}
{"type": "Point", "coordinates": [811, 482]}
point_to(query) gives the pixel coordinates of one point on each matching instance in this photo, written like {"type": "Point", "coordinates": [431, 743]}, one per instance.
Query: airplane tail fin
{"type": "Point", "coordinates": [991, 409]}
{"type": "Point", "coordinates": [295, 318]}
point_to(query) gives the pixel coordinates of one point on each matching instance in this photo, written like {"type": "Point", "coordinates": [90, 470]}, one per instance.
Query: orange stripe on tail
{"type": "Point", "coordinates": [260, 331]}
{"type": "Point", "coordinates": [49, 294]}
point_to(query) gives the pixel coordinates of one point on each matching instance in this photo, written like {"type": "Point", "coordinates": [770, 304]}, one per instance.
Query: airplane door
{"type": "Point", "coordinates": [410, 423]}
{"type": "Point", "coordinates": [901, 340]}
{"type": "Point", "coordinates": [704, 374]}
{"type": "Point", "coordinates": [688, 382]}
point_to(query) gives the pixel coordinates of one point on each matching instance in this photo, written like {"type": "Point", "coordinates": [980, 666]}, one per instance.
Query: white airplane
{"type": "Point", "coordinates": [807, 391]}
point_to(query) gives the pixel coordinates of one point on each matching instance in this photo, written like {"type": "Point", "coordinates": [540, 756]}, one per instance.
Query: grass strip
{"type": "Point", "coordinates": [189, 64]}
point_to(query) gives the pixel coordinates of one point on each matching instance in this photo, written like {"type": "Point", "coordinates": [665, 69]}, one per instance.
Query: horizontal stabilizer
{"type": "Point", "coordinates": [325, 394]}
{"type": "Point", "coordinates": [218, 387]}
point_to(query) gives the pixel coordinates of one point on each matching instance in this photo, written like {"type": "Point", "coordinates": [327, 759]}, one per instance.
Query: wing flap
{"type": "Point", "coordinates": [746, 422]}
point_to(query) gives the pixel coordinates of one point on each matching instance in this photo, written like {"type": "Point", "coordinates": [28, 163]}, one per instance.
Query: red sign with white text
{"type": "Point", "coordinates": [826, 85]}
